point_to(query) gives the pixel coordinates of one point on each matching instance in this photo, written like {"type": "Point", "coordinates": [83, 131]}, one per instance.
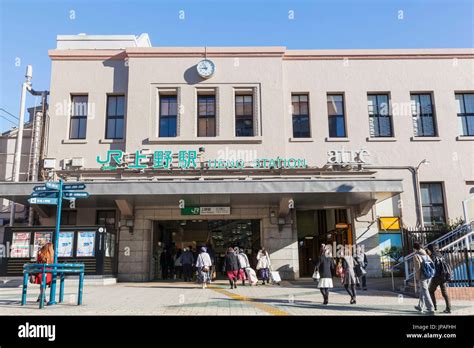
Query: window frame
{"type": "Point", "coordinates": [161, 97]}
{"type": "Point", "coordinates": [464, 115]}
{"type": "Point", "coordinates": [79, 118]}
{"type": "Point", "coordinates": [245, 117]}
{"type": "Point", "coordinates": [380, 116]}
{"type": "Point", "coordinates": [299, 116]}
{"type": "Point", "coordinates": [115, 117]}
{"type": "Point", "coordinates": [418, 116]}
{"type": "Point", "coordinates": [207, 116]}
{"type": "Point", "coordinates": [343, 115]}
{"type": "Point", "coordinates": [431, 205]}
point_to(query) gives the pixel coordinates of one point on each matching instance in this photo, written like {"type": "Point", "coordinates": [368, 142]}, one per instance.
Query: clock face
{"type": "Point", "coordinates": [206, 68]}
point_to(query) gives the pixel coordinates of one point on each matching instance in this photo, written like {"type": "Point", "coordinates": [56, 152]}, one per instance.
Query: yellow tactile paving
{"type": "Point", "coordinates": [266, 308]}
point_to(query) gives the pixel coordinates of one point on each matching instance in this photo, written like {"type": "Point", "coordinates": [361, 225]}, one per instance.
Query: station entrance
{"type": "Point", "coordinates": [216, 235]}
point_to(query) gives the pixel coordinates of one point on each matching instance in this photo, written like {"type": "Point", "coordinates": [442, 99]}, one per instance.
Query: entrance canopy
{"type": "Point", "coordinates": [333, 192]}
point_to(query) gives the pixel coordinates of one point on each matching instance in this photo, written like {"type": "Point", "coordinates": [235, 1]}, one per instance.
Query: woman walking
{"type": "Point", "coordinates": [45, 255]}
{"type": "Point", "coordinates": [350, 279]}
{"type": "Point", "coordinates": [231, 267]}
{"type": "Point", "coordinates": [203, 266]}
{"type": "Point", "coordinates": [263, 265]}
{"type": "Point", "coordinates": [325, 267]}
{"type": "Point", "coordinates": [244, 264]}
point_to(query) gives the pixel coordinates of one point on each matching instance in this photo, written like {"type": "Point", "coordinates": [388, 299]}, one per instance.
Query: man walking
{"type": "Point", "coordinates": [442, 276]}
{"type": "Point", "coordinates": [187, 261]}
{"type": "Point", "coordinates": [424, 271]}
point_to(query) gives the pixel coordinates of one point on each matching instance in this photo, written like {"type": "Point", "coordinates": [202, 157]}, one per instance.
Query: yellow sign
{"type": "Point", "coordinates": [389, 223]}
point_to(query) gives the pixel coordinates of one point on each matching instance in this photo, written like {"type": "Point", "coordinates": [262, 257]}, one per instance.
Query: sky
{"type": "Point", "coordinates": [28, 29]}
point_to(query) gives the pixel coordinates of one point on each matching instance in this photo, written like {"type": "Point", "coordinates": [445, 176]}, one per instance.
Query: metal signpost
{"type": "Point", "coordinates": [53, 193]}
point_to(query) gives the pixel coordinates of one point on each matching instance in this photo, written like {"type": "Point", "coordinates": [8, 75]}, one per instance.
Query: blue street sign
{"type": "Point", "coordinates": [40, 188]}
{"type": "Point", "coordinates": [51, 194]}
{"type": "Point", "coordinates": [52, 185]}
{"type": "Point", "coordinates": [39, 200]}
{"type": "Point", "coordinates": [74, 187]}
{"type": "Point", "coordinates": [76, 194]}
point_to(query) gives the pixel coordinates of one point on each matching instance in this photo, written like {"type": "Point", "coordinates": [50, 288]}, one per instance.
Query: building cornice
{"type": "Point", "coordinates": [87, 54]}
{"type": "Point", "coordinates": [277, 52]}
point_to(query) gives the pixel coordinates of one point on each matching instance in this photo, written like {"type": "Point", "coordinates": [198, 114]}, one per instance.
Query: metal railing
{"type": "Point", "coordinates": [56, 269]}
{"type": "Point", "coordinates": [456, 244]}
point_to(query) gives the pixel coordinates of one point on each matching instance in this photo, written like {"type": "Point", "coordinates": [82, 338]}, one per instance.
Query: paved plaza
{"type": "Point", "coordinates": [179, 298]}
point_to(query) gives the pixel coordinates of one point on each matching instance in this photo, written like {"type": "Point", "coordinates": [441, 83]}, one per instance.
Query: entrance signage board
{"type": "Point", "coordinates": [188, 159]}
{"type": "Point", "coordinates": [205, 211]}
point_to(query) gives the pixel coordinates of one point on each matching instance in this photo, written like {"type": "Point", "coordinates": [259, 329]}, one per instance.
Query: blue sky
{"type": "Point", "coordinates": [28, 28]}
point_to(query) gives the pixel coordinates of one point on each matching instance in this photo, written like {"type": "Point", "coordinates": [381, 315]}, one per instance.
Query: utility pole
{"type": "Point", "coordinates": [19, 140]}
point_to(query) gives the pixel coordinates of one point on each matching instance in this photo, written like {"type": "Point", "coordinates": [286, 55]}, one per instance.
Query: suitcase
{"type": "Point", "coordinates": [275, 277]}
{"type": "Point", "coordinates": [251, 275]}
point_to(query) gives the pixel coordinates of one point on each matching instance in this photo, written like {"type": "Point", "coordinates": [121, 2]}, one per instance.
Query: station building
{"type": "Point", "coordinates": [254, 146]}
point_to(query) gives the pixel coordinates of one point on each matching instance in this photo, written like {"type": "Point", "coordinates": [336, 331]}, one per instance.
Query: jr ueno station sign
{"type": "Point", "coordinates": [190, 159]}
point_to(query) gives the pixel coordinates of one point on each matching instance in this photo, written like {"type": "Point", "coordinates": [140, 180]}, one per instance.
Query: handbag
{"type": "Point", "coordinates": [316, 276]}
{"type": "Point", "coordinates": [32, 278]}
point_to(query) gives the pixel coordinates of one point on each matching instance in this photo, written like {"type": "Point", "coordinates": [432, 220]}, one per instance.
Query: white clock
{"type": "Point", "coordinates": [206, 68]}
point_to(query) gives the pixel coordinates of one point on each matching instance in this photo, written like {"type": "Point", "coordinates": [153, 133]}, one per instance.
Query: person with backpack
{"type": "Point", "coordinates": [443, 274]}
{"type": "Point", "coordinates": [424, 271]}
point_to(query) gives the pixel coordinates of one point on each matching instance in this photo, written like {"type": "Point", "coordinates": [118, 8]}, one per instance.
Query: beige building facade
{"type": "Point", "coordinates": [328, 146]}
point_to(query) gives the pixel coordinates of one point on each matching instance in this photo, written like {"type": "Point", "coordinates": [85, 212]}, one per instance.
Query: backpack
{"type": "Point", "coordinates": [427, 267]}
{"type": "Point", "coordinates": [443, 269]}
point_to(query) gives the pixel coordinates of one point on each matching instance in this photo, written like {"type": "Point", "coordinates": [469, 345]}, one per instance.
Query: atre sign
{"type": "Point", "coordinates": [348, 157]}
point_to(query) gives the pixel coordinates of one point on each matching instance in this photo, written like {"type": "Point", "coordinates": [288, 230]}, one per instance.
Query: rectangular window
{"type": "Point", "coordinates": [115, 117]}
{"type": "Point", "coordinates": [380, 120]}
{"type": "Point", "coordinates": [78, 125]}
{"type": "Point", "coordinates": [300, 105]}
{"type": "Point", "coordinates": [168, 116]}
{"type": "Point", "coordinates": [465, 111]}
{"type": "Point", "coordinates": [432, 202]}
{"type": "Point", "coordinates": [423, 115]}
{"type": "Point", "coordinates": [206, 115]}
{"type": "Point", "coordinates": [244, 115]}
{"type": "Point", "coordinates": [337, 123]}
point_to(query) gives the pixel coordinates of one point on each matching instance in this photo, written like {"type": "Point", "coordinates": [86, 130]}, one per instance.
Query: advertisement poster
{"type": "Point", "coordinates": [41, 238]}
{"type": "Point", "coordinates": [20, 244]}
{"type": "Point", "coordinates": [85, 244]}
{"type": "Point", "coordinates": [65, 244]}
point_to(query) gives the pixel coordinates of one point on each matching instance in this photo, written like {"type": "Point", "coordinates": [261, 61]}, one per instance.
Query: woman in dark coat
{"type": "Point", "coordinates": [325, 267]}
{"type": "Point", "coordinates": [231, 267]}
{"type": "Point", "coordinates": [350, 279]}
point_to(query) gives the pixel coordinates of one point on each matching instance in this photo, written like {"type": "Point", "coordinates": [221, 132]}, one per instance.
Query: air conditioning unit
{"type": "Point", "coordinates": [49, 163]}
{"type": "Point", "coordinates": [77, 162]}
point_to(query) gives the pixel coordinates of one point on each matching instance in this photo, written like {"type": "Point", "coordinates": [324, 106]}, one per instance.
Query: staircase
{"type": "Point", "coordinates": [457, 247]}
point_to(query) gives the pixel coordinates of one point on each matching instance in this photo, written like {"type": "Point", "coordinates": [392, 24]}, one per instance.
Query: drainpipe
{"type": "Point", "coordinates": [416, 187]}
{"type": "Point", "coordinates": [19, 139]}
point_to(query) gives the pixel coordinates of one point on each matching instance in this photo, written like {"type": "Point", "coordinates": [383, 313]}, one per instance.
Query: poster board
{"type": "Point", "coordinates": [20, 244]}
{"type": "Point", "coordinates": [41, 238]}
{"type": "Point", "coordinates": [65, 244]}
{"type": "Point", "coordinates": [85, 244]}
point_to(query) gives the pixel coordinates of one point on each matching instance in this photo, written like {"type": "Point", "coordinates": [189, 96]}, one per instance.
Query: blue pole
{"type": "Point", "coordinates": [52, 297]}
{"type": "Point", "coordinates": [43, 287]}
{"type": "Point", "coordinates": [81, 285]}
{"type": "Point", "coordinates": [61, 288]}
{"type": "Point", "coordinates": [25, 285]}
